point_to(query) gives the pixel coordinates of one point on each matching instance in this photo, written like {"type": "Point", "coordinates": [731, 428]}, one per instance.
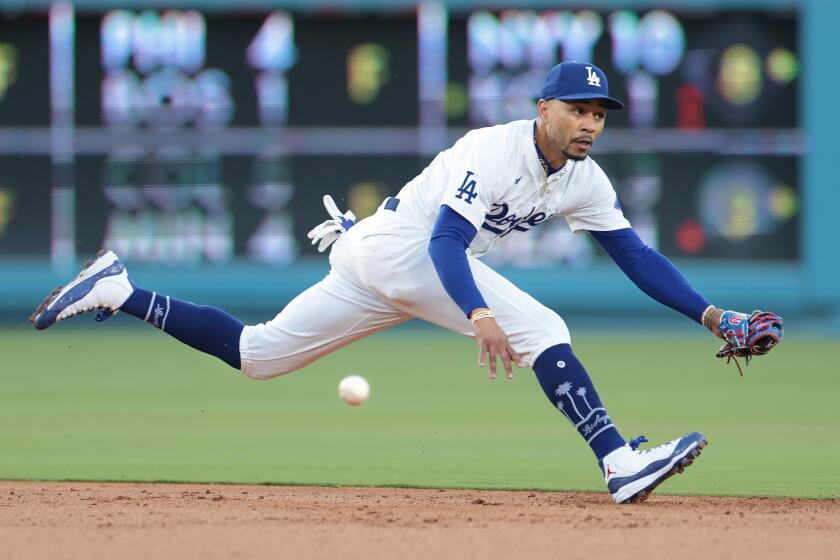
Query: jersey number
{"type": "Point", "coordinates": [466, 191]}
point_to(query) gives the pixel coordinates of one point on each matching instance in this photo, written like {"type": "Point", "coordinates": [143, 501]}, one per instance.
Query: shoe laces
{"type": "Point", "coordinates": [635, 442]}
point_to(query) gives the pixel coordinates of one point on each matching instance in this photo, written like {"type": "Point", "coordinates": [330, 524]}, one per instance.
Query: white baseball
{"type": "Point", "coordinates": [354, 390]}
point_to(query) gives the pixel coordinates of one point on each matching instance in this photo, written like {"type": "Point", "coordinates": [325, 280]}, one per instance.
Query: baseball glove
{"type": "Point", "coordinates": [748, 335]}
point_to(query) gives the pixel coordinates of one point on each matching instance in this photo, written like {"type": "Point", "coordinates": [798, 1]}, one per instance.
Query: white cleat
{"type": "Point", "coordinates": [632, 475]}
{"type": "Point", "coordinates": [102, 284]}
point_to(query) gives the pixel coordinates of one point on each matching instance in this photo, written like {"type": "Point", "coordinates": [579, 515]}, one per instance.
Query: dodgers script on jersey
{"type": "Point", "coordinates": [493, 178]}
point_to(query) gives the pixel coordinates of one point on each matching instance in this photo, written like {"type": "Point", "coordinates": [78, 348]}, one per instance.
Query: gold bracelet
{"type": "Point", "coordinates": [706, 319]}
{"type": "Point", "coordinates": [484, 314]}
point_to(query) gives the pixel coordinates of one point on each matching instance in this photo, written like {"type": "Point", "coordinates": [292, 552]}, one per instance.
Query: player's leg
{"type": "Point", "coordinates": [321, 319]}
{"type": "Point", "coordinates": [104, 285]}
{"type": "Point", "coordinates": [630, 475]}
{"type": "Point", "coordinates": [203, 327]}
{"type": "Point", "coordinates": [542, 338]}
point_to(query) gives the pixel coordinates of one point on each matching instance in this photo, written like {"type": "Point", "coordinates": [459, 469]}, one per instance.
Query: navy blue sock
{"type": "Point", "coordinates": [568, 386]}
{"type": "Point", "coordinates": [205, 328]}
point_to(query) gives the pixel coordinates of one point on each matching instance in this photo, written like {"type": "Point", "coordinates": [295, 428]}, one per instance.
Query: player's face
{"type": "Point", "coordinates": [573, 126]}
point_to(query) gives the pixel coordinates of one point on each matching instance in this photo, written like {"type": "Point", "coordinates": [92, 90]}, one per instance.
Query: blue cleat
{"type": "Point", "coordinates": [102, 284]}
{"type": "Point", "coordinates": [632, 475]}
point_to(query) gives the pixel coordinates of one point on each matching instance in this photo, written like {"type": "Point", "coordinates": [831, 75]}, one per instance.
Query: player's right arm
{"type": "Point", "coordinates": [451, 236]}
{"type": "Point", "coordinates": [468, 196]}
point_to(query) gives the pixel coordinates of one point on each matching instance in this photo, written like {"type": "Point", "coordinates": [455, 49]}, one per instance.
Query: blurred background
{"type": "Point", "coordinates": [197, 139]}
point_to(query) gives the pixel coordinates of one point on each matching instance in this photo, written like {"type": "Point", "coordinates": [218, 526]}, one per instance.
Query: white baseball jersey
{"type": "Point", "coordinates": [494, 179]}
{"type": "Point", "coordinates": [382, 274]}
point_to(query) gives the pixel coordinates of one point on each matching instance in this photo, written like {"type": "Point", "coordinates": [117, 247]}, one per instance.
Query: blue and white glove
{"type": "Point", "coordinates": [325, 234]}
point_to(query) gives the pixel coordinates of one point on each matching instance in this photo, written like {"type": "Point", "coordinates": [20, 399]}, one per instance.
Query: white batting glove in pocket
{"type": "Point", "coordinates": [325, 234]}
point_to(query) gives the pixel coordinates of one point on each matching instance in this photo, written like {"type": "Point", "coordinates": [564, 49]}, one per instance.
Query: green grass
{"type": "Point", "coordinates": [132, 404]}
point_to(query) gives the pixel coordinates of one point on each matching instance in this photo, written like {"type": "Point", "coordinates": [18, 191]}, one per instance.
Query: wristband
{"type": "Point", "coordinates": [706, 318]}
{"type": "Point", "coordinates": [483, 314]}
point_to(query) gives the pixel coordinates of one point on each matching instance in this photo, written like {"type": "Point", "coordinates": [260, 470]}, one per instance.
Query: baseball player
{"type": "Point", "coordinates": [417, 256]}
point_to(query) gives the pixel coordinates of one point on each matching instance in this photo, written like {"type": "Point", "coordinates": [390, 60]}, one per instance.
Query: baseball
{"type": "Point", "coordinates": [354, 390]}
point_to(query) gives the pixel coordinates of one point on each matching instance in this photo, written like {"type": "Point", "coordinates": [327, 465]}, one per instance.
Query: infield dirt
{"type": "Point", "coordinates": [185, 521]}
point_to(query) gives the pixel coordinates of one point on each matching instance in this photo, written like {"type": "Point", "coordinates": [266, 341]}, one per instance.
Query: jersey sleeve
{"type": "Point", "coordinates": [473, 179]}
{"type": "Point", "coordinates": [600, 210]}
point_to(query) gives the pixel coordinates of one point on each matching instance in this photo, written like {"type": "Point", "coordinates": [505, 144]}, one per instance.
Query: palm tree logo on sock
{"type": "Point", "coordinates": [562, 409]}
{"type": "Point", "coordinates": [586, 429]}
{"type": "Point", "coordinates": [565, 389]}
{"type": "Point", "coordinates": [581, 392]}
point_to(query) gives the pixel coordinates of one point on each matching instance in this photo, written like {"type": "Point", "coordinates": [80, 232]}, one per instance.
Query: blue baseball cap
{"type": "Point", "coordinates": [572, 80]}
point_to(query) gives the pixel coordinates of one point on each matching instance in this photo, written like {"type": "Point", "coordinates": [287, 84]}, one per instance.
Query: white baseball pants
{"type": "Point", "coordinates": [382, 275]}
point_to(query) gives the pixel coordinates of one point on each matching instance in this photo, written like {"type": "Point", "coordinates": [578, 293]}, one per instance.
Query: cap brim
{"type": "Point", "coordinates": [609, 102]}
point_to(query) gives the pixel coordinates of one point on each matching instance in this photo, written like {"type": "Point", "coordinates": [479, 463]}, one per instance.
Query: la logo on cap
{"type": "Point", "coordinates": [592, 78]}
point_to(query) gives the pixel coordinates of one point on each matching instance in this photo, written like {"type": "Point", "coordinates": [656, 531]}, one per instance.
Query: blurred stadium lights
{"type": "Point", "coordinates": [259, 99]}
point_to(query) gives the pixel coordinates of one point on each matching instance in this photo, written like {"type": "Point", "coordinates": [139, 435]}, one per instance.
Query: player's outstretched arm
{"type": "Point", "coordinates": [744, 335]}
{"type": "Point", "coordinates": [652, 272]}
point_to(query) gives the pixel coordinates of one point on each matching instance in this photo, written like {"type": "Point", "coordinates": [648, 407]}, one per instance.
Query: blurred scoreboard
{"type": "Point", "coordinates": [186, 69]}
{"type": "Point", "coordinates": [186, 137]}
{"type": "Point", "coordinates": [690, 71]}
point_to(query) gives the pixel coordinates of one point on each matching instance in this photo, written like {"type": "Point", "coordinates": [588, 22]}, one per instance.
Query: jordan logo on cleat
{"type": "Point", "coordinates": [610, 472]}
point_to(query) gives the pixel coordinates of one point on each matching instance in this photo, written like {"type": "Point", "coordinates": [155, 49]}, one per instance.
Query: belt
{"type": "Point", "coordinates": [391, 203]}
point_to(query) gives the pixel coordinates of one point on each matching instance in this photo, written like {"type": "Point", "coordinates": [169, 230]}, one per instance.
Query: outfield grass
{"type": "Point", "coordinates": [130, 403]}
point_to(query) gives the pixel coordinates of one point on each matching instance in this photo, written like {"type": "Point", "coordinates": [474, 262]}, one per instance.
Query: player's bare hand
{"type": "Point", "coordinates": [493, 343]}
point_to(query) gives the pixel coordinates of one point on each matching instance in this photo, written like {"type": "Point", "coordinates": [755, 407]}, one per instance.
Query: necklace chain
{"type": "Point", "coordinates": [547, 168]}
{"type": "Point", "coordinates": [543, 163]}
